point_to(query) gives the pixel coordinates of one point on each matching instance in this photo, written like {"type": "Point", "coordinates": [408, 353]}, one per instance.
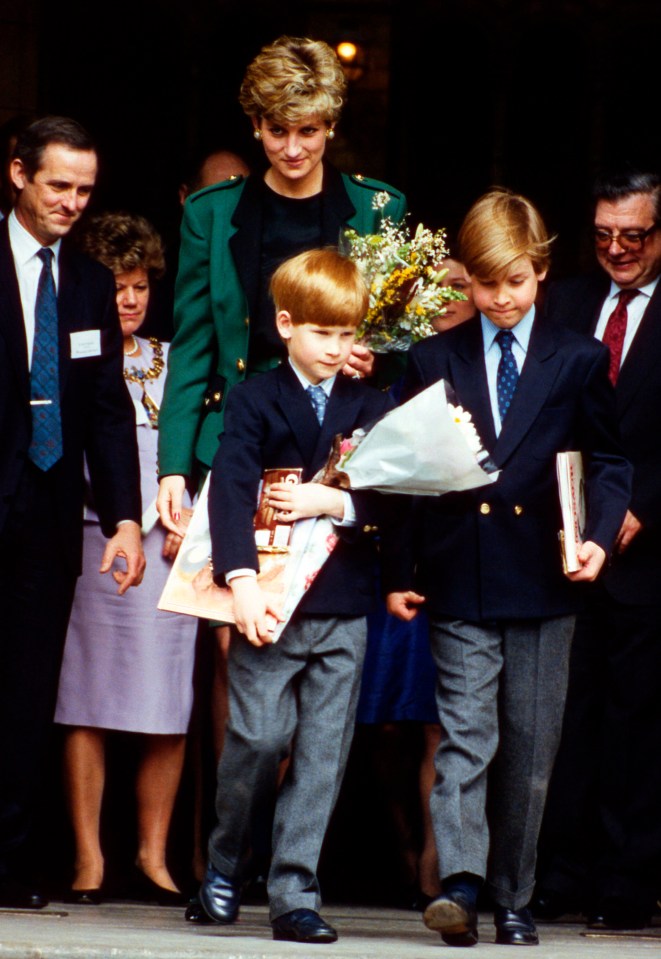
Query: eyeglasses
{"type": "Point", "coordinates": [629, 240]}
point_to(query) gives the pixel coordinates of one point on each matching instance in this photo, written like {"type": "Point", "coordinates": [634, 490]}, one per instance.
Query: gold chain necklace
{"type": "Point", "coordinates": [141, 376]}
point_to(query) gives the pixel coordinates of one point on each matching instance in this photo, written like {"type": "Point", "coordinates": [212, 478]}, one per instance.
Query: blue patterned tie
{"type": "Point", "coordinates": [319, 399]}
{"type": "Point", "coordinates": [508, 373]}
{"type": "Point", "coordinates": [46, 446]}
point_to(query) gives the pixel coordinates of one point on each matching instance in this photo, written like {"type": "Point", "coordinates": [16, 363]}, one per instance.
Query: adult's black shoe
{"type": "Point", "coordinates": [515, 927]}
{"type": "Point", "coordinates": [622, 914]}
{"type": "Point", "coordinates": [220, 896]}
{"type": "Point", "coordinates": [195, 912]}
{"type": "Point", "coordinates": [82, 897]}
{"type": "Point", "coordinates": [15, 895]}
{"type": "Point", "coordinates": [455, 917]}
{"type": "Point", "coordinates": [548, 905]}
{"type": "Point", "coordinates": [302, 925]}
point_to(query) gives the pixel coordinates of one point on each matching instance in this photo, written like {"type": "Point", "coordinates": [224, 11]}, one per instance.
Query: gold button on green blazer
{"type": "Point", "coordinates": [216, 292]}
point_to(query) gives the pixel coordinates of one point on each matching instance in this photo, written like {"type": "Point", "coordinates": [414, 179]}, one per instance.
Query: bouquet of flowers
{"type": "Point", "coordinates": [427, 447]}
{"type": "Point", "coordinates": [406, 286]}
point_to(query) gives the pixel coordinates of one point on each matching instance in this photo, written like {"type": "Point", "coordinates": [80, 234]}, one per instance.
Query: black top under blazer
{"type": "Point", "coordinates": [270, 423]}
{"type": "Point", "coordinates": [492, 553]}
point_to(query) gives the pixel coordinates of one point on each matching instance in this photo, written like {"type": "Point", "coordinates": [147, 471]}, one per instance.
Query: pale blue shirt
{"type": "Point", "coordinates": [521, 333]}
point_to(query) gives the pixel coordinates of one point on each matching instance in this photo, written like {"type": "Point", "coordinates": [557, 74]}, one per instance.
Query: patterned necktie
{"type": "Point", "coordinates": [508, 372]}
{"type": "Point", "coordinates": [46, 446]}
{"type": "Point", "coordinates": [319, 399]}
{"type": "Point", "coordinates": [615, 331]}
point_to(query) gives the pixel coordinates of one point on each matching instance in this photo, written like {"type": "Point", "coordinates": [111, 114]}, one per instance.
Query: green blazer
{"type": "Point", "coordinates": [215, 293]}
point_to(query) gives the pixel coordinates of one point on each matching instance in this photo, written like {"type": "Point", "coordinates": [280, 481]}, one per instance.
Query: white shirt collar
{"type": "Point", "coordinates": [326, 385]}
{"type": "Point", "coordinates": [23, 244]}
{"type": "Point", "coordinates": [647, 290]}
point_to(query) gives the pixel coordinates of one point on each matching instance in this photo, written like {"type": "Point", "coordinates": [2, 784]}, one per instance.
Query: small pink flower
{"type": "Point", "coordinates": [331, 542]}
{"type": "Point", "coordinates": [346, 446]}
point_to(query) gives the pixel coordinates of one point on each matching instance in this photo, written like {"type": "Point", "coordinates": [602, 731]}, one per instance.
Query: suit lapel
{"type": "Point", "coordinates": [469, 378]}
{"type": "Point", "coordinates": [67, 300]}
{"type": "Point", "coordinates": [539, 373]}
{"type": "Point", "coordinates": [12, 326]}
{"type": "Point", "coordinates": [644, 354]}
{"type": "Point", "coordinates": [343, 406]}
{"type": "Point", "coordinates": [336, 207]}
{"type": "Point", "coordinates": [245, 242]}
{"type": "Point", "coordinates": [298, 412]}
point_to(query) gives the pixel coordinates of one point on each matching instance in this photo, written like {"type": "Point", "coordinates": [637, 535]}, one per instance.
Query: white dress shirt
{"type": "Point", "coordinates": [28, 267]}
{"type": "Point", "coordinates": [635, 310]}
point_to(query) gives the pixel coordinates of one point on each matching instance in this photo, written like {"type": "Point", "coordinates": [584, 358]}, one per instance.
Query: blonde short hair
{"type": "Point", "coordinates": [124, 242]}
{"type": "Point", "coordinates": [321, 287]}
{"type": "Point", "coordinates": [499, 228]}
{"type": "Point", "coordinates": [294, 78]}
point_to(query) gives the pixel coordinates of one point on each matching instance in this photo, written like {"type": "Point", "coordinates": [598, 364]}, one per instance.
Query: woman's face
{"type": "Point", "coordinates": [132, 298]}
{"type": "Point", "coordinates": [457, 311]}
{"type": "Point", "coordinates": [294, 150]}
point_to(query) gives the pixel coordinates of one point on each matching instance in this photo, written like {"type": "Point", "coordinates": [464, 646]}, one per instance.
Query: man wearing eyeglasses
{"type": "Point", "coordinates": [603, 819]}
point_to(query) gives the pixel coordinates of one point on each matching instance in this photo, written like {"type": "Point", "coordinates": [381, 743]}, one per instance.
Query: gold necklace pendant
{"type": "Point", "coordinates": [139, 375]}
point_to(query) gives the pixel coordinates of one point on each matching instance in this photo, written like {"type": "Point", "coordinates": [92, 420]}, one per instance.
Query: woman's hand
{"type": "Point", "coordinates": [169, 503]}
{"type": "Point", "coordinates": [361, 362]}
{"type": "Point", "coordinates": [174, 540]}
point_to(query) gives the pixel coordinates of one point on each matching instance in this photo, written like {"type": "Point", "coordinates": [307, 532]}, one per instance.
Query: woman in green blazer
{"type": "Point", "coordinates": [234, 235]}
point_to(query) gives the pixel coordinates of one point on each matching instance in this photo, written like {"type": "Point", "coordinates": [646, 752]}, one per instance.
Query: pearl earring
{"type": "Point", "coordinates": [330, 134]}
{"type": "Point", "coordinates": [257, 134]}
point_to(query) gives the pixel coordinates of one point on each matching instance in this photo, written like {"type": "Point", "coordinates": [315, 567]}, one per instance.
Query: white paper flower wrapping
{"type": "Point", "coordinates": [428, 446]}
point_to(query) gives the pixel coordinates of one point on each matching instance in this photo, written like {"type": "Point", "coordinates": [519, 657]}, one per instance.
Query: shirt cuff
{"type": "Point", "coordinates": [235, 573]}
{"type": "Point", "coordinates": [349, 518]}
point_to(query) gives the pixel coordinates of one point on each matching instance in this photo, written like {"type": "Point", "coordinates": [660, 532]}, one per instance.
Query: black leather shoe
{"type": "Point", "coordinates": [454, 917]}
{"type": "Point", "coordinates": [14, 895]}
{"type": "Point", "coordinates": [515, 927]}
{"type": "Point", "coordinates": [619, 913]}
{"type": "Point", "coordinates": [220, 896]}
{"type": "Point", "coordinates": [146, 890]}
{"type": "Point", "coordinates": [83, 897]}
{"type": "Point", "coordinates": [548, 905]}
{"type": "Point", "coordinates": [195, 912]}
{"type": "Point", "coordinates": [302, 925]}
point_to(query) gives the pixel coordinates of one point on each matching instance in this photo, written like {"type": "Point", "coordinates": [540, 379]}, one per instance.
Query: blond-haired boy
{"type": "Point", "coordinates": [487, 566]}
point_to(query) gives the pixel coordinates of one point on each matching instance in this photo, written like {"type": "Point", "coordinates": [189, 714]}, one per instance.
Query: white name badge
{"type": "Point", "coordinates": [85, 343]}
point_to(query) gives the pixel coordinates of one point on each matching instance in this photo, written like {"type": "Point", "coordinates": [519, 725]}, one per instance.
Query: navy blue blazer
{"type": "Point", "coordinates": [97, 413]}
{"type": "Point", "coordinates": [493, 553]}
{"type": "Point", "coordinates": [634, 575]}
{"type": "Point", "coordinates": [270, 423]}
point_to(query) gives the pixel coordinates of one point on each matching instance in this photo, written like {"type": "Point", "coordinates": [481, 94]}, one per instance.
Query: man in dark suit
{"type": "Point", "coordinates": [62, 398]}
{"type": "Point", "coordinates": [602, 834]}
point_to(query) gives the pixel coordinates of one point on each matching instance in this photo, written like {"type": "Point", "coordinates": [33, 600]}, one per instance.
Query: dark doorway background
{"type": "Point", "coordinates": [456, 95]}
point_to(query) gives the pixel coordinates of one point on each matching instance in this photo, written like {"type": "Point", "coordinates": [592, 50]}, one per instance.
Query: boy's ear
{"type": "Point", "coordinates": [541, 276]}
{"type": "Point", "coordinates": [284, 324]}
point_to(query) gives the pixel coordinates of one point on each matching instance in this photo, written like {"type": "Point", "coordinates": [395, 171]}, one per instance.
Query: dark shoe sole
{"type": "Point", "coordinates": [290, 937]}
{"type": "Point", "coordinates": [515, 939]}
{"type": "Point", "coordinates": [451, 920]}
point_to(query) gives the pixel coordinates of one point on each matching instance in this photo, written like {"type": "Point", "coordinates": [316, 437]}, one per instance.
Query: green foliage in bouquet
{"type": "Point", "coordinates": [406, 286]}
